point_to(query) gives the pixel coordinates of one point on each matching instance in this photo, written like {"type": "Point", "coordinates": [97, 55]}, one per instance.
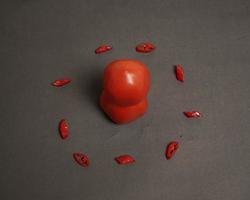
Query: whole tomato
{"type": "Point", "coordinates": [126, 85]}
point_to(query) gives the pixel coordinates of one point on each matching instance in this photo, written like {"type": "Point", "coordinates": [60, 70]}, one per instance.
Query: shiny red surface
{"type": "Point", "coordinates": [125, 159]}
{"type": "Point", "coordinates": [81, 159]}
{"type": "Point", "coordinates": [126, 84]}
{"type": "Point", "coordinates": [64, 128]}
{"type": "Point", "coordinates": [103, 49]}
{"type": "Point", "coordinates": [179, 73]}
{"type": "Point", "coordinates": [192, 114]}
{"type": "Point", "coordinates": [171, 149]}
{"type": "Point", "coordinates": [145, 47]}
{"type": "Point", "coordinates": [61, 82]}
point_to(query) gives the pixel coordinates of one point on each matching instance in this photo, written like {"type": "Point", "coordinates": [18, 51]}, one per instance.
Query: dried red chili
{"type": "Point", "coordinates": [171, 149]}
{"type": "Point", "coordinates": [61, 82]}
{"type": "Point", "coordinates": [125, 159]}
{"type": "Point", "coordinates": [192, 114]}
{"type": "Point", "coordinates": [179, 72]}
{"type": "Point", "coordinates": [103, 49]}
{"type": "Point", "coordinates": [81, 159]}
{"type": "Point", "coordinates": [64, 128]}
{"type": "Point", "coordinates": [145, 47]}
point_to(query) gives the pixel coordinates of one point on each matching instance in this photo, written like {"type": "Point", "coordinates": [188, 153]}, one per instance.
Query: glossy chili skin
{"type": "Point", "coordinates": [192, 114]}
{"type": "Point", "coordinates": [171, 149]}
{"type": "Point", "coordinates": [126, 84]}
{"type": "Point", "coordinates": [103, 49]}
{"type": "Point", "coordinates": [179, 73]}
{"type": "Point", "coordinates": [81, 159]}
{"type": "Point", "coordinates": [64, 128]}
{"type": "Point", "coordinates": [61, 82]}
{"type": "Point", "coordinates": [145, 47]}
{"type": "Point", "coordinates": [124, 159]}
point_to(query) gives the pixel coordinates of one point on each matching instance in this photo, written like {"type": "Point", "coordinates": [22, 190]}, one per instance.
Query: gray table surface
{"type": "Point", "coordinates": [43, 40]}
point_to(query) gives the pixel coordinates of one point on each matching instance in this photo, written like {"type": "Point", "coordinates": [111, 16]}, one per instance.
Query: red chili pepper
{"type": "Point", "coordinates": [64, 128]}
{"type": "Point", "coordinates": [125, 159]}
{"type": "Point", "coordinates": [103, 49]}
{"type": "Point", "coordinates": [179, 73]}
{"type": "Point", "coordinates": [61, 82]}
{"type": "Point", "coordinates": [192, 114]}
{"type": "Point", "coordinates": [171, 149]}
{"type": "Point", "coordinates": [81, 159]}
{"type": "Point", "coordinates": [145, 47]}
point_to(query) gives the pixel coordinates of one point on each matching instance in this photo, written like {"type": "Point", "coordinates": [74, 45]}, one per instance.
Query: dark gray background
{"type": "Point", "coordinates": [42, 40]}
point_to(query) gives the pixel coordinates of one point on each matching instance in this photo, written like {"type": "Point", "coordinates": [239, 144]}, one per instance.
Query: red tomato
{"type": "Point", "coordinates": [126, 82]}
{"type": "Point", "coordinates": [125, 88]}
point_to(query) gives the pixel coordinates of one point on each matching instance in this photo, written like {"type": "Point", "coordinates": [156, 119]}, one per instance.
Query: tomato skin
{"type": "Point", "coordinates": [126, 84]}
{"type": "Point", "coordinates": [123, 114]}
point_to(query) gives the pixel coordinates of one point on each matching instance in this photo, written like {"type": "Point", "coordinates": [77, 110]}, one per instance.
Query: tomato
{"type": "Point", "coordinates": [126, 84]}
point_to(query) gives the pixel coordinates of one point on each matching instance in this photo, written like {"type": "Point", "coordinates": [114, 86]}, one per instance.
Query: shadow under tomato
{"type": "Point", "coordinates": [174, 69]}
{"type": "Point", "coordinates": [92, 88]}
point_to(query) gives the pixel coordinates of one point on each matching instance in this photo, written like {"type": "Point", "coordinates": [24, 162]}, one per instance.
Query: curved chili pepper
{"type": "Point", "coordinates": [145, 47]}
{"type": "Point", "coordinates": [61, 82]}
{"type": "Point", "coordinates": [102, 49]}
{"type": "Point", "coordinates": [125, 159]}
{"type": "Point", "coordinates": [192, 114]}
{"type": "Point", "coordinates": [81, 159]}
{"type": "Point", "coordinates": [171, 149]}
{"type": "Point", "coordinates": [179, 73]}
{"type": "Point", "coordinates": [64, 128]}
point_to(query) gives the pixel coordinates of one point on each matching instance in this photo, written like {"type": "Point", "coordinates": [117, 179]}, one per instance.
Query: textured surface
{"type": "Point", "coordinates": [43, 40]}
